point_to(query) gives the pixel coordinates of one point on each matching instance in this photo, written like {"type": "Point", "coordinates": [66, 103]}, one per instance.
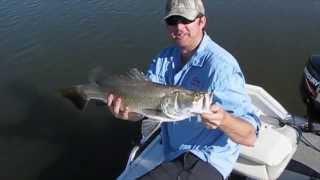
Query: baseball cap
{"type": "Point", "coordinates": [188, 9]}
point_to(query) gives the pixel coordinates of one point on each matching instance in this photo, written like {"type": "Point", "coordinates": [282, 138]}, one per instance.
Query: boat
{"type": "Point", "coordinates": [287, 147]}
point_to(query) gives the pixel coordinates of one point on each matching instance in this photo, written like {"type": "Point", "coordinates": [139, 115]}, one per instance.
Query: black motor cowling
{"type": "Point", "coordinates": [310, 85]}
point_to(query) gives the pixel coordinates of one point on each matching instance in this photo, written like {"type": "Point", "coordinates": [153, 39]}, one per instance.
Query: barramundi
{"type": "Point", "coordinates": [152, 100]}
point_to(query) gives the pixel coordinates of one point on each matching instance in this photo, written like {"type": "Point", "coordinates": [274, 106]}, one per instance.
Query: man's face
{"type": "Point", "coordinates": [184, 32]}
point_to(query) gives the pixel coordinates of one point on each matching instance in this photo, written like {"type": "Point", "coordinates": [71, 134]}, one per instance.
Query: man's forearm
{"type": "Point", "coordinates": [239, 130]}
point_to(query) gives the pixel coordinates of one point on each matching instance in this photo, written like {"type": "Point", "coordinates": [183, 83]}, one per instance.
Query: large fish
{"type": "Point", "coordinates": [155, 101]}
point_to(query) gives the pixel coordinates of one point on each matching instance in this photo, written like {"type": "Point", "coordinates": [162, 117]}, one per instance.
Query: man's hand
{"type": "Point", "coordinates": [215, 118]}
{"type": "Point", "coordinates": [119, 110]}
{"type": "Point", "coordinates": [239, 130]}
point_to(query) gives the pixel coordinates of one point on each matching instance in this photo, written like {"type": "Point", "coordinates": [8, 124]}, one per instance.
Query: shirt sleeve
{"type": "Point", "coordinates": [228, 85]}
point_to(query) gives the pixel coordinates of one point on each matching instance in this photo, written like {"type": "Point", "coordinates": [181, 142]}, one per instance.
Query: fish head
{"type": "Point", "coordinates": [194, 102]}
{"type": "Point", "coordinates": [186, 103]}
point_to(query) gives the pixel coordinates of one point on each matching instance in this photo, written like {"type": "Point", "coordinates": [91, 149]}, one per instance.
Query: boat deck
{"type": "Point", "coordinates": [306, 160]}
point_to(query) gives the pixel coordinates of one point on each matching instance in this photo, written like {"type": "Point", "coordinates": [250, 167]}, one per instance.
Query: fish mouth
{"type": "Point", "coordinates": [207, 100]}
{"type": "Point", "coordinates": [211, 96]}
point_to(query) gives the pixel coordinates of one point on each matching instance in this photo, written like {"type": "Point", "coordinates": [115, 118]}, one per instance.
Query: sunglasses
{"type": "Point", "coordinates": [174, 20]}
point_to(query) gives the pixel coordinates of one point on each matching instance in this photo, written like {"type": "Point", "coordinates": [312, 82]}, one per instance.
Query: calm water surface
{"type": "Point", "coordinates": [46, 45]}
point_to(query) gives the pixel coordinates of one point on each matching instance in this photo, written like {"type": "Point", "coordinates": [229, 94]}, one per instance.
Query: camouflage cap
{"type": "Point", "coordinates": [188, 9]}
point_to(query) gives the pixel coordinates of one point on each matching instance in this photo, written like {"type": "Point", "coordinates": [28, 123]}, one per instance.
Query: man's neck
{"type": "Point", "coordinates": [186, 55]}
{"type": "Point", "coordinates": [187, 52]}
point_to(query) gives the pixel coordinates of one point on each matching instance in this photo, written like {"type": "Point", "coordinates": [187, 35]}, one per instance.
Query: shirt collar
{"type": "Point", "coordinates": [197, 59]}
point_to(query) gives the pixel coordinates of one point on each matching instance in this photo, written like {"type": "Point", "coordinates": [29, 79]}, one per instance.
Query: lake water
{"type": "Point", "coordinates": [47, 45]}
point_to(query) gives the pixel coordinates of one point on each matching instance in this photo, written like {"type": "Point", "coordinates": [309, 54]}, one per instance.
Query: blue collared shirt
{"type": "Point", "coordinates": [210, 69]}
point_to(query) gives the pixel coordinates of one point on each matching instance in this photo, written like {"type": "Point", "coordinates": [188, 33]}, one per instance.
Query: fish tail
{"type": "Point", "coordinates": [80, 95]}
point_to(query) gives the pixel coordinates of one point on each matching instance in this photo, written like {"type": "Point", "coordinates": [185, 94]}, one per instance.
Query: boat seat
{"type": "Point", "coordinates": [272, 152]}
{"type": "Point", "coordinates": [269, 157]}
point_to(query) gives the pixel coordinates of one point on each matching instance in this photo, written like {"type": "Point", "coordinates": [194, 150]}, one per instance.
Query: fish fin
{"type": "Point", "coordinates": [148, 127]}
{"type": "Point", "coordinates": [80, 95]}
{"type": "Point", "coordinates": [155, 114]}
{"type": "Point", "coordinates": [99, 77]}
{"type": "Point", "coordinates": [135, 74]}
{"type": "Point", "coordinates": [95, 74]}
{"type": "Point", "coordinates": [176, 116]}
{"type": "Point", "coordinates": [74, 95]}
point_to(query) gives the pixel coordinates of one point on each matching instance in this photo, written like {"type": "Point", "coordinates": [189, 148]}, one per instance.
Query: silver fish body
{"type": "Point", "coordinates": [155, 101]}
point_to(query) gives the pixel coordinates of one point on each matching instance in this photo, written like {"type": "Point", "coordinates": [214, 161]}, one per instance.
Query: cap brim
{"type": "Point", "coordinates": [188, 14]}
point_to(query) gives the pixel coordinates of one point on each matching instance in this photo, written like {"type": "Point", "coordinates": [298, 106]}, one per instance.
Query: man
{"type": "Point", "coordinates": [206, 146]}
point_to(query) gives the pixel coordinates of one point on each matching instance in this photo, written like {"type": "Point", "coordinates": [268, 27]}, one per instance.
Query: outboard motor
{"type": "Point", "coordinates": [310, 89]}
